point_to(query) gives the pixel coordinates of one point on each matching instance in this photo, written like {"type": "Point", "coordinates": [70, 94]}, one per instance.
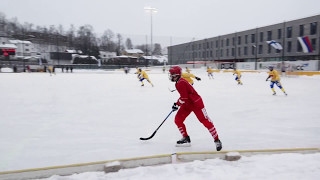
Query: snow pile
{"type": "Point", "coordinates": [262, 167]}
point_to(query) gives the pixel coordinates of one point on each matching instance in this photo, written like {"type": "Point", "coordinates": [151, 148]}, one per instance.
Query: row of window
{"type": "Point", "coordinates": [226, 41]}
{"type": "Point", "coordinates": [209, 54]}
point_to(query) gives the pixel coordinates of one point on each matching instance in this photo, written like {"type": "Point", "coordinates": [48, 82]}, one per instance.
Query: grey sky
{"type": "Point", "coordinates": [180, 19]}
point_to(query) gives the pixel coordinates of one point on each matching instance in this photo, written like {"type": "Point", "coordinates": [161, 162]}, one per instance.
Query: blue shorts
{"type": "Point", "coordinates": [275, 82]}
{"type": "Point", "coordinates": [142, 79]}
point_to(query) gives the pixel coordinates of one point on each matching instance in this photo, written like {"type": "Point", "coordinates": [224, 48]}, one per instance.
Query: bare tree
{"type": "Point", "coordinates": [129, 43]}
{"type": "Point", "coordinates": [157, 49]}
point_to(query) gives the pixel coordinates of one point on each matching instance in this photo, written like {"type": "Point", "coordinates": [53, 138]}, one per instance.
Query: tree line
{"type": "Point", "coordinates": [82, 38]}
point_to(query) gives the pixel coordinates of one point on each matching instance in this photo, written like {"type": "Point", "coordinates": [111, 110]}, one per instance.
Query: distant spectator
{"type": "Point", "coordinates": [71, 68]}
{"type": "Point", "coordinates": [62, 68]}
{"type": "Point", "coordinates": [67, 68]}
{"type": "Point", "coordinates": [14, 68]}
{"type": "Point", "coordinates": [28, 68]}
{"type": "Point", "coordinates": [126, 70]}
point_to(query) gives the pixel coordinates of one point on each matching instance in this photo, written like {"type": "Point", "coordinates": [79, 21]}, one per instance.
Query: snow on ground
{"type": "Point", "coordinates": [266, 167]}
{"type": "Point", "coordinates": [89, 116]}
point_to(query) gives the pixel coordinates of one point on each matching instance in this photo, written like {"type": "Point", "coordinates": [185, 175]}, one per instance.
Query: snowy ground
{"type": "Point", "coordinates": [100, 115]}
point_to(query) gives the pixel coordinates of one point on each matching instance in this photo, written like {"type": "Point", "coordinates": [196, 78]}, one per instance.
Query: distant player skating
{"type": "Point", "coordinates": [142, 75]}
{"type": "Point", "coordinates": [238, 76]}
{"type": "Point", "coordinates": [188, 70]}
{"type": "Point", "coordinates": [210, 71]}
{"type": "Point", "coordinates": [190, 101]}
{"type": "Point", "coordinates": [275, 79]}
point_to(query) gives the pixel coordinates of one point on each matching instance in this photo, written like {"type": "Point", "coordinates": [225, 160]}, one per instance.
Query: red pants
{"type": "Point", "coordinates": [201, 114]}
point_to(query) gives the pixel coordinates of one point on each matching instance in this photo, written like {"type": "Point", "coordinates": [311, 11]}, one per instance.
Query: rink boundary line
{"type": "Point", "coordinates": [83, 164]}
{"type": "Point", "coordinates": [252, 151]}
{"type": "Point", "coordinates": [117, 164]}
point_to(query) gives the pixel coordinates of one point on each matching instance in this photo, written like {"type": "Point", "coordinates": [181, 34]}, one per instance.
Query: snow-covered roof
{"type": "Point", "coordinates": [134, 51]}
{"type": "Point", "coordinates": [156, 57]}
{"type": "Point", "coordinates": [8, 46]}
{"type": "Point", "coordinates": [19, 42]}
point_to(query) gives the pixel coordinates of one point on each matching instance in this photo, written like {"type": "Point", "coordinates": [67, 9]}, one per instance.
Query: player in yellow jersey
{"type": "Point", "coordinates": [275, 79]}
{"type": "Point", "coordinates": [189, 76]}
{"type": "Point", "coordinates": [238, 76]}
{"type": "Point", "coordinates": [210, 71]}
{"type": "Point", "coordinates": [188, 70]}
{"type": "Point", "coordinates": [142, 75]}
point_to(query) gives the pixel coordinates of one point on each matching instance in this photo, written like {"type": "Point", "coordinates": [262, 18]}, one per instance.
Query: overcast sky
{"type": "Point", "coordinates": [178, 19]}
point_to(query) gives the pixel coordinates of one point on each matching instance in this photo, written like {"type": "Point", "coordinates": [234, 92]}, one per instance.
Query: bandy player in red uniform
{"type": "Point", "coordinates": [190, 101]}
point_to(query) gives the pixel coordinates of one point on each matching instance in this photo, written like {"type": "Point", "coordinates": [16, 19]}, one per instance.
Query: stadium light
{"type": "Point", "coordinates": [151, 11]}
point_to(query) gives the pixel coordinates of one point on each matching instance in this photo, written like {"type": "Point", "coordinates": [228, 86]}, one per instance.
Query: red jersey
{"type": "Point", "coordinates": [188, 95]}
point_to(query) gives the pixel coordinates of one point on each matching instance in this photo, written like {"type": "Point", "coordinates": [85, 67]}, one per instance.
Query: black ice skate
{"type": "Point", "coordinates": [218, 144]}
{"type": "Point", "coordinates": [184, 142]}
{"type": "Point", "coordinates": [274, 93]}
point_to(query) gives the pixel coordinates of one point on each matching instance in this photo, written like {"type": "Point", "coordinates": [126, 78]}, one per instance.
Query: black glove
{"type": "Point", "coordinates": [175, 107]}
{"type": "Point", "coordinates": [197, 78]}
{"type": "Point", "coordinates": [267, 79]}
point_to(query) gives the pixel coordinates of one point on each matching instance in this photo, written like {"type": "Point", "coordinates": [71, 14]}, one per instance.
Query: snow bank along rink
{"type": "Point", "coordinates": [90, 116]}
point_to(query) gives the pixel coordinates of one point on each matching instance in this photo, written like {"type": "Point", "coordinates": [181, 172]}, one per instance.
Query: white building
{"type": "Point", "coordinates": [105, 55]}
{"type": "Point", "coordinates": [25, 49]}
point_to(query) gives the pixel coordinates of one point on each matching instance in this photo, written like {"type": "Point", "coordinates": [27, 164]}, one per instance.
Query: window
{"type": "Point", "coordinates": [232, 52]}
{"type": "Point", "coordinates": [222, 43]}
{"type": "Point", "coordinates": [313, 43]}
{"type": "Point", "coordinates": [289, 32]}
{"type": "Point", "coordinates": [221, 52]}
{"type": "Point", "coordinates": [253, 38]}
{"type": "Point", "coordinates": [233, 41]}
{"type": "Point", "coordinates": [279, 33]}
{"type": "Point", "coordinates": [253, 49]}
{"type": "Point", "coordinates": [199, 46]}
{"type": "Point", "coordinates": [239, 40]}
{"type": "Point", "coordinates": [301, 30]}
{"type": "Point", "coordinates": [227, 53]}
{"type": "Point", "coordinates": [313, 28]}
{"type": "Point", "coordinates": [269, 49]}
{"type": "Point", "coordinates": [261, 36]}
{"type": "Point", "coordinates": [260, 49]}
{"type": "Point", "coordinates": [211, 54]}
{"type": "Point", "coordinates": [217, 44]}
{"type": "Point", "coordinates": [289, 46]}
{"type": "Point", "coordinates": [299, 47]}
{"type": "Point", "coordinates": [227, 43]}
{"type": "Point", "coordinates": [246, 39]}
{"type": "Point", "coordinates": [217, 53]}
{"type": "Point", "coordinates": [239, 51]}
{"type": "Point", "coordinates": [245, 50]}
{"type": "Point", "coordinates": [269, 34]}
{"type": "Point", "coordinates": [207, 45]}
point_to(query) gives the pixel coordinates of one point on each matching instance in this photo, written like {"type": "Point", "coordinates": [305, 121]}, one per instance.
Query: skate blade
{"type": "Point", "coordinates": [183, 145]}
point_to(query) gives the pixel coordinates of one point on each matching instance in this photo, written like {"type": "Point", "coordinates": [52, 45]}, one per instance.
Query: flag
{"type": "Point", "coordinates": [275, 44]}
{"type": "Point", "coordinates": [305, 44]}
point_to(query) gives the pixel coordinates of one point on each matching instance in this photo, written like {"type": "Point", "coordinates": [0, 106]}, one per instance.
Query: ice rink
{"type": "Point", "coordinates": [89, 116]}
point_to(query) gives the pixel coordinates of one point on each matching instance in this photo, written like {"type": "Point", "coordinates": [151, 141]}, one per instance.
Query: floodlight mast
{"type": "Point", "coordinates": [151, 10]}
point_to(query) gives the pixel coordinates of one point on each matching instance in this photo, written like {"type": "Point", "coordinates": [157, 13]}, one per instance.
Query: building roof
{"type": "Point", "coordinates": [19, 42]}
{"type": "Point", "coordinates": [8, 46]}
{"type": "Point", "coordinates": [134, 51]}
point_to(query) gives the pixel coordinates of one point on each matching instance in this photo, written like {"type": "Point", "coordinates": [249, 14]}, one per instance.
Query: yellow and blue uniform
{"type": "Point", "coordinates": [189, 76]}
{"type": "Point", "coordinates": [210, 71]}
{"type": "Point", "coordinates": [142, 75]}
{"type": "Point", "coordinates": [275, 79]}
{"type": "Point", "coordinates": [188, 70]}
{"type": "Point", "coordinates": [238, 76]}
